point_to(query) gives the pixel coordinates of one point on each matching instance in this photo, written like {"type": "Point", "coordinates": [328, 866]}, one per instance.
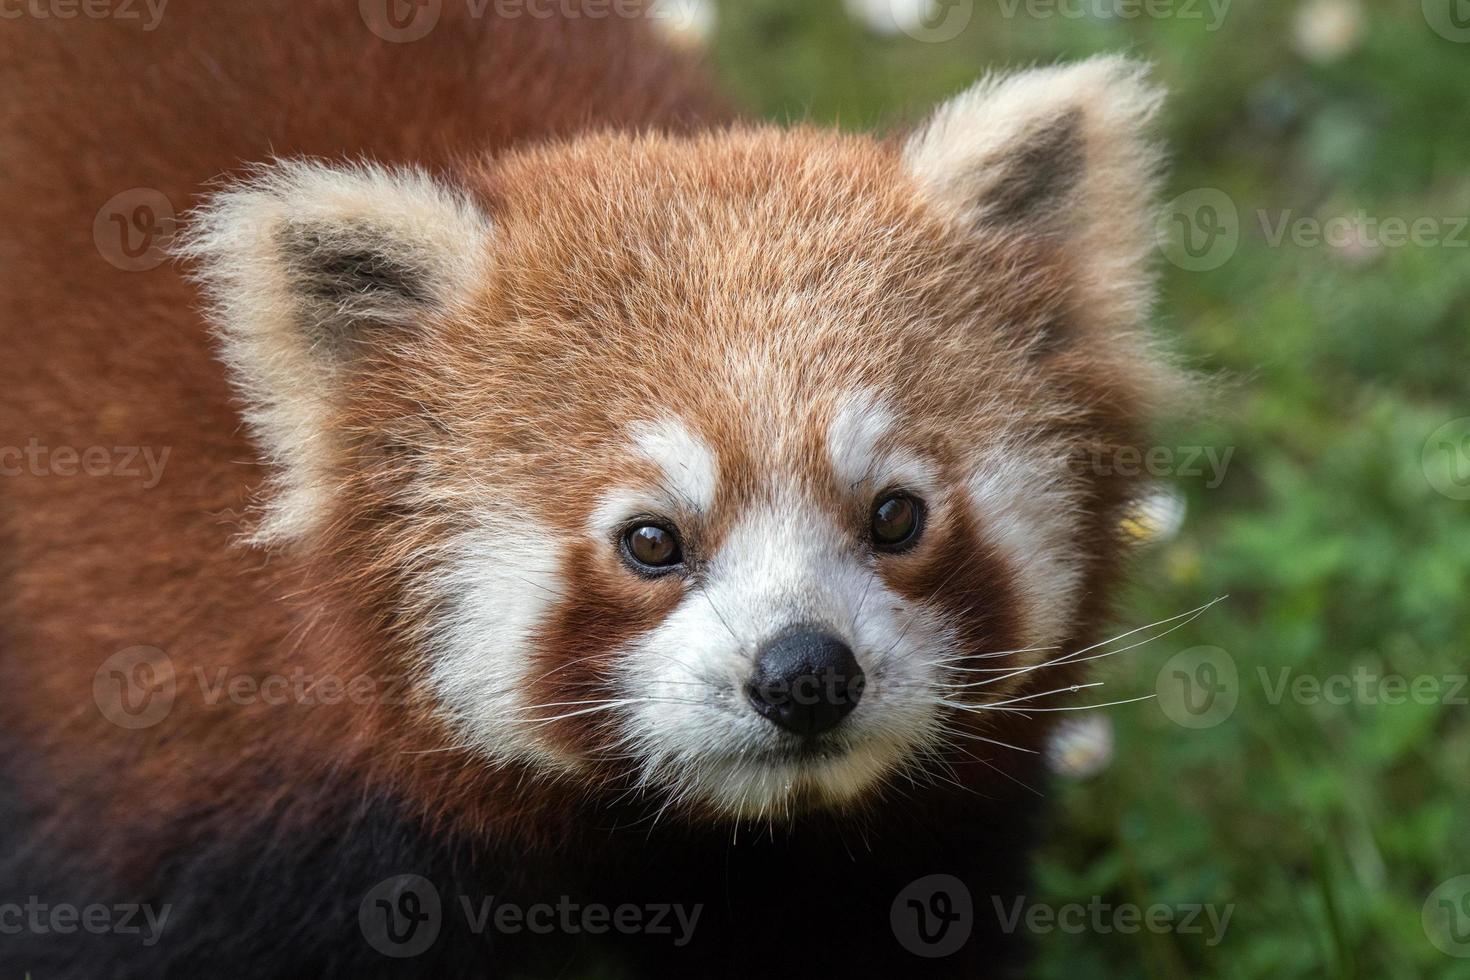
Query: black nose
{"type": "Point", "coordinates": [806, 682]}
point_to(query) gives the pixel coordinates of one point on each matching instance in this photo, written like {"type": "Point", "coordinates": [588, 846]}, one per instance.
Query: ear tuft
{"type": "Point", "coordinates": [334, 249]}
{"type": "Point", "coordinates": [1062, 152]}
{"type": "Point", "coordinates": [1020, 148]}
{"type": "Point", "coordinates": [306, 264]}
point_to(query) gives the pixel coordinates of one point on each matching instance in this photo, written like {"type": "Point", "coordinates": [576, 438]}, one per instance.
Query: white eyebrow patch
{"type": "Point", "coordinates": [690, 469]}
{"type": "Point", "coordinates": [854, 446]}
{"type": "Point", "coordinates": [859, 424]}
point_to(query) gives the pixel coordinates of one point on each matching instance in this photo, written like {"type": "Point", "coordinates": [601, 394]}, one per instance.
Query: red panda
{"type": "Point", "coordinates": [566, 496]}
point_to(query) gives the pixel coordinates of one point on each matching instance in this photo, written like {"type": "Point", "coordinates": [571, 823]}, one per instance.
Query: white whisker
{"type": "Point", "coordinates": [1076, 656]}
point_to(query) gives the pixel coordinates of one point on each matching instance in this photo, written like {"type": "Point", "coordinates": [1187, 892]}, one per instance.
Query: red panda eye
{"type": "Point", "coordinates": [653, 546]}
{"type": "Point", "coordinates": [897, 520]}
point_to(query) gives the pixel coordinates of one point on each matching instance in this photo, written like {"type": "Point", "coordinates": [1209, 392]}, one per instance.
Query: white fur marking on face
{"type": "Point", "coordinates": [496, 586]}
{"type": "Point", "coordinates": [855, 449]}
{"type": "Point", "coordinates": [909, 471]}
{"type": "Point", "coordinates": [858, 426]}
{"type": "Point", "coordinates": [617, 506]}
{"type": "Point", "coordinates": [1030, 511]}
{"type": "Point", "coordinates": [690, 469]}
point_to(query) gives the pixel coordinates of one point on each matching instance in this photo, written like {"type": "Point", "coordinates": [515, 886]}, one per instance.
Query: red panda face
{"type": "Point", "coordinates": [806, 650]}
{"type": "Point", "coordinates": [739, 470]}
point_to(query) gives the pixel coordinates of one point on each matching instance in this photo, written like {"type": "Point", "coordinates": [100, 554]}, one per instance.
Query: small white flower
{"type": "Point", "coordinates": [1326, 30]}
{"type": "Point", "coordinates": [1157, 517]}
{"type": "Point", "coordinates": [888, 18]}
{"type": "Point", "coordinates": [1081, 746]}
{"type": "Point", "coordinates": [685, 22]}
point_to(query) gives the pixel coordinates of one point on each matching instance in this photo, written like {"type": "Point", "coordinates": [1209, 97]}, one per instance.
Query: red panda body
{"type": "Point", "coordinates": [445, 486]}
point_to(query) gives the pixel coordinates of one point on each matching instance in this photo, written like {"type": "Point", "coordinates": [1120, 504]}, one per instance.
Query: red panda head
{"type": "Point", "coordinates": [743, 467]}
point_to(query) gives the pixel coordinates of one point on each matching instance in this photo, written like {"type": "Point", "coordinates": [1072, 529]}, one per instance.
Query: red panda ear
{"type": "Point", "coordinates": [1061, 152]}
{"type": "Point", "coordinates": [304, 264]}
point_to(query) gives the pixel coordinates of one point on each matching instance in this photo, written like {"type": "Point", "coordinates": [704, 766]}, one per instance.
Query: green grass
{"type": "Point", "coordinates": [1326, 826]}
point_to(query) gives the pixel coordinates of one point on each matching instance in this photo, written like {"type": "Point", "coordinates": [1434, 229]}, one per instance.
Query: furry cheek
{"type": "Point", "coordinates": [1028, 514]}
{"type": "Point", "coordinates": [518, 652]}
{"type": "Point", "coordinates": [494, 590]}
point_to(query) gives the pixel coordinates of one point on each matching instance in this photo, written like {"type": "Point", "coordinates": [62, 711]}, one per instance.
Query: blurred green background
{"type": "Point", "coordinates": [1341, 529]}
